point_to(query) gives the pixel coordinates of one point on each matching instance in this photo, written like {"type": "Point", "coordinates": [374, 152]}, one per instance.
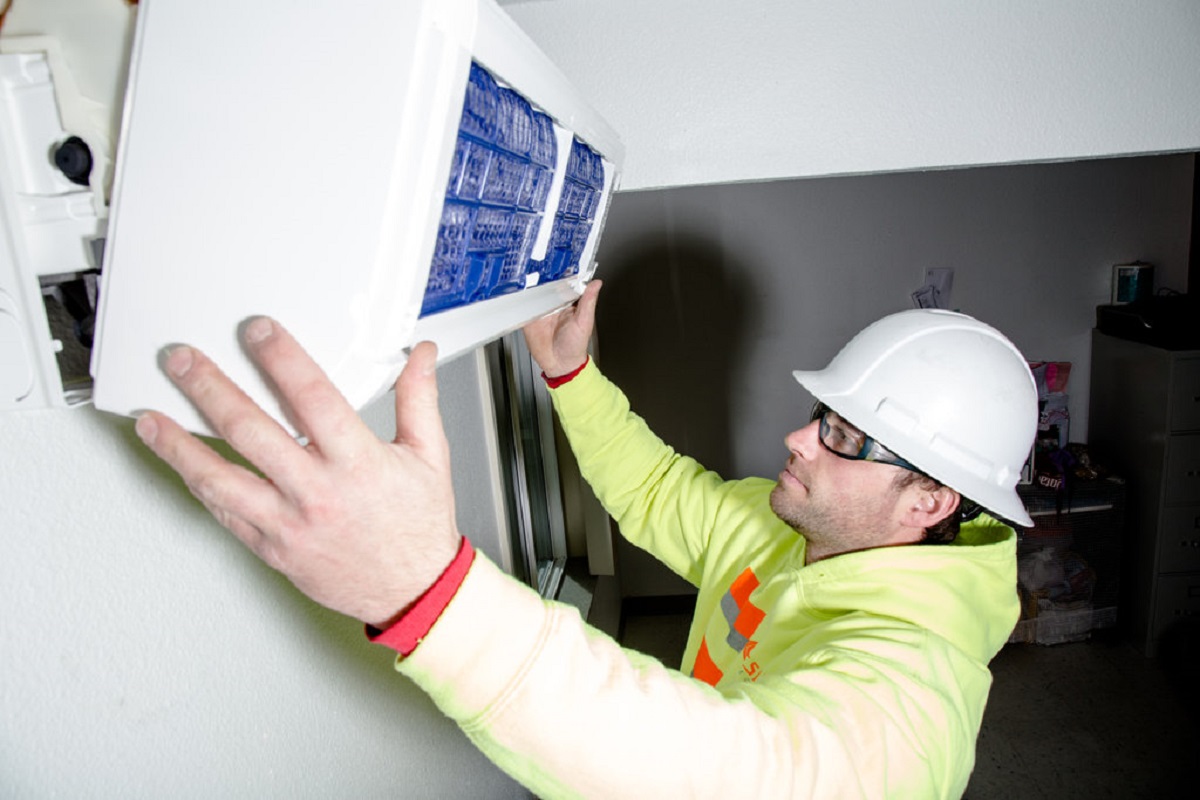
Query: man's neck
{"type": "Point", "coordinates": [815, 552]}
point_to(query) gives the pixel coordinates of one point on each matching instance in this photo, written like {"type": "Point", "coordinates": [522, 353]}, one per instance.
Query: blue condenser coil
{"type": "Point", "coordinates": [500, 178]}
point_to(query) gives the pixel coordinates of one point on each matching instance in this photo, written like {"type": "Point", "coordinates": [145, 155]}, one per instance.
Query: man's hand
{"type": "Point", "coordinates": [359, 525]}
{"type": "Point", "coordinates": [559, 342]}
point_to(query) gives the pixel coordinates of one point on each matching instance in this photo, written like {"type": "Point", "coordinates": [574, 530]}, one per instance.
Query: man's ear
{"type": "Point", "coordinates": [929, 506]}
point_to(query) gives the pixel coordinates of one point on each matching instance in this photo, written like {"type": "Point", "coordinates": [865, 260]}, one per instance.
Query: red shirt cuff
{"type": "Point", "coordinates": [554, 383]}
{"type": "Point", "coordinates": [406, 633]}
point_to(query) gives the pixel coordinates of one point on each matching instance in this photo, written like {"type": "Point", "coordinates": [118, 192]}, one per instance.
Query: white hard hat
{"type": "Point", "coordinates": [944, 391]}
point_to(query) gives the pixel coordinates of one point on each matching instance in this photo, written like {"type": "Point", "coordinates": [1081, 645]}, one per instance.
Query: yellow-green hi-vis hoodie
{"type": "Point", "coordinates": [862, 675]}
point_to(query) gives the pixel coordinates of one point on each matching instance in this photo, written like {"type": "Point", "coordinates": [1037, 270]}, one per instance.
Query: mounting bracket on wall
{"type": "Point", "coordinates": [51, 241]}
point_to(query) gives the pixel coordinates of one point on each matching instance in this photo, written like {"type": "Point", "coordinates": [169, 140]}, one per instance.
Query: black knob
{"type": "Point", "coordinates": [74, 159]}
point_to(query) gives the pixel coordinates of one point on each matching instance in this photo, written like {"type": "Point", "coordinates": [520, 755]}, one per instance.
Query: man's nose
{"type": "Point", "coordinates": [804, 441]}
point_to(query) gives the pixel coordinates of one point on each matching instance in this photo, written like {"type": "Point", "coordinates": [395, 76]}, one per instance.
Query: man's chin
{"type": "Point", "coordinates": [780, 510]}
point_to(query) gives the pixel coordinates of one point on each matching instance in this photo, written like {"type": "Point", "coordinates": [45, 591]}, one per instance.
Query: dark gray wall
{"type": "Point", "coordinates": [714, 294]}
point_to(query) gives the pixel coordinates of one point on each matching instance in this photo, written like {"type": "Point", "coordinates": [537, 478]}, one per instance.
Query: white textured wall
{"type": "Point", "coordinates": [146, 654]}
{"type": "Point", "coordinates": [707, 91]}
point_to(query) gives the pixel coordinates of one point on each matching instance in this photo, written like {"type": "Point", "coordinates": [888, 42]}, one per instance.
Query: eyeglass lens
{"type": "Point", "coordinates": [840, 436]}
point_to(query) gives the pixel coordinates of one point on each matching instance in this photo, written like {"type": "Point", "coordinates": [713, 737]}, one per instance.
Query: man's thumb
{"type": "Point", "coordinates": [418, 420]}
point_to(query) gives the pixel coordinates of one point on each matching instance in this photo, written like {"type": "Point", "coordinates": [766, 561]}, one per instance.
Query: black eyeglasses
{"type": "Point", "coordinates": [846, 441]}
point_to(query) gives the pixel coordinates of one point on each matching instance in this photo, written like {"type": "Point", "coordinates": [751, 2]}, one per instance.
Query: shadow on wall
{"type": "Point", "coordinates": [671, 323]}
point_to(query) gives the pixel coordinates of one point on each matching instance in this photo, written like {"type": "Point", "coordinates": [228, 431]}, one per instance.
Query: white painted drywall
{"type": "Point", "coordinates": [708, 91]}
{"type": "Point", "coordinates": [148, 654]}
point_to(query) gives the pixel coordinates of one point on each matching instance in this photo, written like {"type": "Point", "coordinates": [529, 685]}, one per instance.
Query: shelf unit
{"type": "Point", "coordinates": [1145, 421]}
{"type": "Point", "coordinates": [1069, 562]}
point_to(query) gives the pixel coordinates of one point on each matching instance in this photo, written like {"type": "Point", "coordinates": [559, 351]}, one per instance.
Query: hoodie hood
{"type": "Point", "coordinates": [965, 591]}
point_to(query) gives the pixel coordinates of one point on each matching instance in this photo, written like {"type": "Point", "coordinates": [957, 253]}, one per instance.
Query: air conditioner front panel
{"type": "Point", "coordinates": [296, 161]}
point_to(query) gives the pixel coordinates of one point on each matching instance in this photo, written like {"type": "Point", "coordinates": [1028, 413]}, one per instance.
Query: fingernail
{"type": "Point", "coordinates": [179, 360]}
{"type": "Point", "coordinates": [147, 429]}
{"type": "Point", "coordinates": [258, 329]}
{"type": "Point", "coordinates": [432, 363]}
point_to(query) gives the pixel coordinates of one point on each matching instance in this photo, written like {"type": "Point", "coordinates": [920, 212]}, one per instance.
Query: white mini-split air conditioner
{"type": "Point", "coordinates": [370, 173]}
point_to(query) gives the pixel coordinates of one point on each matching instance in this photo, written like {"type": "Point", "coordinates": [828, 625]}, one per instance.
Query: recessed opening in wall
{"type": "Point", "coordinates": [526, 443]}
{"type": "Point", "coordinates": [70, 302]}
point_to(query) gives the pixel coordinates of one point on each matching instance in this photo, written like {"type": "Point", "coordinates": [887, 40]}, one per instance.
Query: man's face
{"type": "Point", "coordinates": [837, 504]}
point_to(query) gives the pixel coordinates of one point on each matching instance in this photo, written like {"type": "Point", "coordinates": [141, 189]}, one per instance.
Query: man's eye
{"type": "Point", "coordinates": [846, 440]}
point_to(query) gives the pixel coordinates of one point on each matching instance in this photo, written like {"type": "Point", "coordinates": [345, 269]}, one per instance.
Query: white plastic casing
{"type": "Point", "coordinates": [292, 160]}
{"type": "Point", "coordinates": [46, 226]}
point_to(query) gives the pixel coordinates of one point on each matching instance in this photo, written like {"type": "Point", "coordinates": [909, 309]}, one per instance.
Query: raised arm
{"type": "Point", "coordinates": [365, 527]}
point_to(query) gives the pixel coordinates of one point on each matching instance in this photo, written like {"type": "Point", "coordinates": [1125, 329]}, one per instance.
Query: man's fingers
{"type": "Point", "coordinates": [233, 415]}
{"type": "Point", "coordinates": [240, 500]}
{"type": "Point", "coordinates": [585, 311]}
{"type": "Point", "coordinates": [418, 420]}
{"type": "Point", "coordinates": [317, 407]}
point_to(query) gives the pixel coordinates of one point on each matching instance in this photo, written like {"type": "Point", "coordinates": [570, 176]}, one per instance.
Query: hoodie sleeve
{"type": "Point", "coordinates": [566, 711]}
{"type": "Point", "coordinates": [665, 502]}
